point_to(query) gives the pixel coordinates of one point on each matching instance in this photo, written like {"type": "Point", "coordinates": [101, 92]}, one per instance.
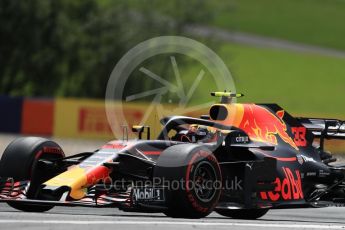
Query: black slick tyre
{"type": "Point", "coordinates": [194, 180]}
{"type": "Point", "coordinates": [19, 162]}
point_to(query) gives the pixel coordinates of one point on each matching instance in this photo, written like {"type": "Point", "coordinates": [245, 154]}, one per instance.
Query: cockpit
{"type": "Point", "coordinates": [192, 130]}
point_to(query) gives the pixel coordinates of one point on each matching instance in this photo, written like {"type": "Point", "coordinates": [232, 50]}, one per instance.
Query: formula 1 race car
{"type": "Point", "coordinates": [240, 160]}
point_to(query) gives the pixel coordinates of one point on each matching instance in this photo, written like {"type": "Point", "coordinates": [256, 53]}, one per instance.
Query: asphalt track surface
{"type": "Point", "coordinates": [109, 218]}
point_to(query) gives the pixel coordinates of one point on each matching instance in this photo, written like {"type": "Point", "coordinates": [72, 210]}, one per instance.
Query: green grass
{"type": "Point", "coordinates": [318, 22]}
{"type": "Point", "coordinates": [304, 85]}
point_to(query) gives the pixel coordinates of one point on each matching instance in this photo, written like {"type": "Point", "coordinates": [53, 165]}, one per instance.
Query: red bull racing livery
{"type": "Point", "coordinates": [240, 160]}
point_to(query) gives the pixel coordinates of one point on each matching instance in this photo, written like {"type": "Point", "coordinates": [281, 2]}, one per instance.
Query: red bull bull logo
{"type": "Point", "coordinates": [263, 126]}
{"type": "Point", "coordinates": [259, 123]}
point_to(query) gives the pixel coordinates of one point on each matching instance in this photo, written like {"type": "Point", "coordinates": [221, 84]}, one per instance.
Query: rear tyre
{"type": "Point", "coordinates": [19, 161]}
{"type": "Point", "coordinates": [245, 214]}
{"type": "Point", "coordinates": [197, 173]}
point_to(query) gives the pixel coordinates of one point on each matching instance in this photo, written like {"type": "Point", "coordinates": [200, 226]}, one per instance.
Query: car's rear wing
{"type": "Point", "coordinates": [324, 128]}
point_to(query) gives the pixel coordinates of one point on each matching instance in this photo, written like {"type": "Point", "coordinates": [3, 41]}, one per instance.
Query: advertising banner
{"type": "Point", "coordinates": [11, 114]}
{"type": "Point", "coordinates": [38, 117]}
{"type": "Point", "coordinates": [81, 118]}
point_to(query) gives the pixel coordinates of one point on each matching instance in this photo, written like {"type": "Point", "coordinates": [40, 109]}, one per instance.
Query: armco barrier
{"type": "Point", "coordinates": [38, 117]}
{"type": "Point", "coordinates": [10, 114]}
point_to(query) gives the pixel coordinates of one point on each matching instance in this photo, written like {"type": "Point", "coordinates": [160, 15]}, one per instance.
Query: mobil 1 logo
{"type": "Point", "coordinates": [148, 194]}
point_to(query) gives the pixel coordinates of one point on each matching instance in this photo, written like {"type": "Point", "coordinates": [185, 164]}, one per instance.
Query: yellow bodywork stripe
{"type": "Point", "coordinates": [75, 178]}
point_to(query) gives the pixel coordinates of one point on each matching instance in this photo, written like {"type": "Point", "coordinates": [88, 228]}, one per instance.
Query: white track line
{"type": "Point", "coordinates": [187, 223]}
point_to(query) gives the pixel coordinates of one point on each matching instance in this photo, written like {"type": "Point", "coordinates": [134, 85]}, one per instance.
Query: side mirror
{"type": "Point", "coordinates": [140, 129]}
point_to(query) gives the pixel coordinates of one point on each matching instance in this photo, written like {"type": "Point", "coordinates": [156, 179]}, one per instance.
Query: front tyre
{"type": "Point", "coordinates": [19, 161]}
{"type": "Point", "coordinates": [196, 170]}
{"type": "Point", "coordinates": [245, 214]}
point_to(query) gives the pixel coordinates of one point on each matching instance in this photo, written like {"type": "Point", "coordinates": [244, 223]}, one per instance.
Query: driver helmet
{"type": "Point", "coordinates": [198, 133]}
